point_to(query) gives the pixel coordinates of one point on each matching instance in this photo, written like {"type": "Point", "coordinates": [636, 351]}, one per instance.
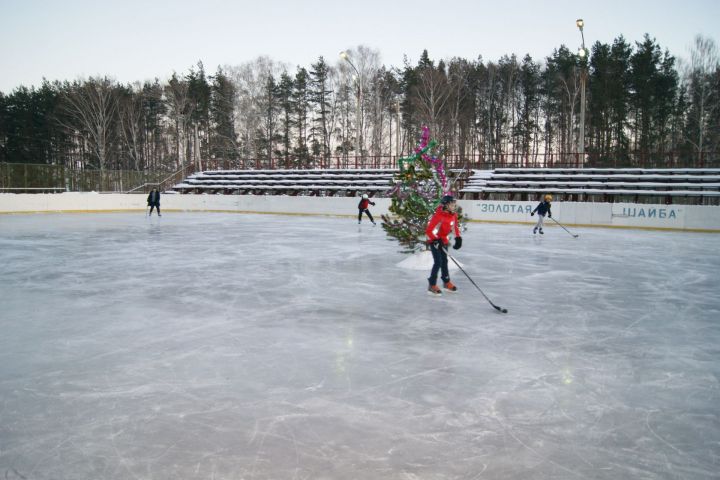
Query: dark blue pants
{"type": "Point", "coordinates": [368, 214]}
{"type": "Point", "coordinates": [440, 263]}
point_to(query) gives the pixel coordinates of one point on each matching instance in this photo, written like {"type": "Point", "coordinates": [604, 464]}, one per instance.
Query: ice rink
{"type": "Point", "coordinates": [231, 346]}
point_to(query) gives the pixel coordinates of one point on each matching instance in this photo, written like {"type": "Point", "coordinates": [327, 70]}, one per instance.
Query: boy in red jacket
{"type": "Point", "coordinates": [363, 208]}
{"type": "Point", "coordinates": [443, 221]}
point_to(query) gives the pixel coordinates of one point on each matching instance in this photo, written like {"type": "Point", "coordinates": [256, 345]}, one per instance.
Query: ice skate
{"type": "Point", "coordinates": [434, 290]}
{"type": "Point", "coordinates": [450, 286]}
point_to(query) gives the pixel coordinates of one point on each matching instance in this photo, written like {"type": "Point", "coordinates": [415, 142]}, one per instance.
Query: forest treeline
{"type": "Point", "coordinates": [644, 107]}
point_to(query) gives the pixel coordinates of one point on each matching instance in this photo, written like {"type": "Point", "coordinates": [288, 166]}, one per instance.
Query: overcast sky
{"type": "Point", "coordinates": [137, 40]}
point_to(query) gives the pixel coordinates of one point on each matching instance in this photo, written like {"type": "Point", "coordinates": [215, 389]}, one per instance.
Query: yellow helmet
{"type": "Point", "coordinates": [548, 198]}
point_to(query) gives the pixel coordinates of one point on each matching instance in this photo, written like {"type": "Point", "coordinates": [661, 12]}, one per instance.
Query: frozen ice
{"type": "Point", "coordinates": [233, 346]}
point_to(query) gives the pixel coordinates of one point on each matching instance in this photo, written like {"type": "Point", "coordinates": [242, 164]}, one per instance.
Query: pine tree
{"type": "Point", "coordinates": [419, 186]}
{"type": "Point", "coordinates": [199, 97]}
{"type": "Point", "coordinates": [4, 117]}
{"type": "Point", "coordinates": [319, 96]}
{"type": "Point", "coordinates": [301, 105]}
{"type": "Point", "coordinates": [285, 100]}
{"type": "Point", "coordinates": [223, 139]}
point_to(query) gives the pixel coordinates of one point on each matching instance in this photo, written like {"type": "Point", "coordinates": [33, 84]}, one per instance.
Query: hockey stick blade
{"type": "Point", "coordinates": [499, 309]}
{"type": "Point", "coordinates": [563, 227]}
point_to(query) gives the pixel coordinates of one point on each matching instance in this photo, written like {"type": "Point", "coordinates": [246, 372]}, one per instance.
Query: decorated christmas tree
{"type": "Point", "coordinates": [420, 184]}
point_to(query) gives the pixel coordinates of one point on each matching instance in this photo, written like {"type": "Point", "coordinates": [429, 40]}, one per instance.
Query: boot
{"type": "Point", "coordinates": [435, 290]}
{"type": "Point", "coordinates": [450, 286]}
{"type": "Point", "coordinates": [534, 230]}
{"type": "Point", "coordinates": [541, 232]}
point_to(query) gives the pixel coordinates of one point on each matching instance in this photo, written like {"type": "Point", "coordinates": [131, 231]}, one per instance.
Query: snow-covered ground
{"type": "Point", "coordinates": [228, 346]}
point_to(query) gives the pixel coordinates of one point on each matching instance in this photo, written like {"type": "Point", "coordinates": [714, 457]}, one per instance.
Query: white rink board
{"type": "Point", "coordinates": [628, 215]}
{"type": "Point", "coordinates": [623, 215]}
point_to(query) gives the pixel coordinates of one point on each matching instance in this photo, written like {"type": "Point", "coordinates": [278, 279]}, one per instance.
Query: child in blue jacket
{"type": "Point", "coordinates": [542, 209]}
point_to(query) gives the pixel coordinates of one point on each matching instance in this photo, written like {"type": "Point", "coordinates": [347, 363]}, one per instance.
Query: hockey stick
{"type": "Point", "coordinates": [499, 309]}
{"type": "Point", "coordinates": [574, 236]}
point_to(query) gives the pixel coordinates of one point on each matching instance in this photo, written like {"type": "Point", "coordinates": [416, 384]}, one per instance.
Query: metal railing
{"type": "Point", "coordinates": [165, 183]}
{"type": "Point", "coordinates": [41, 177]}
{"type": "Point", "coordinates": [37, 178]}
{"type": "Point", "coordinates": [480, 161]}
{"type": "Point", "coordinates": [32, 190]}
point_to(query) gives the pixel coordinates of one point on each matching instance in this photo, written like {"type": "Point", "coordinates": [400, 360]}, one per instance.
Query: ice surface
{"type": "Point", "coordinates": [229, 346]}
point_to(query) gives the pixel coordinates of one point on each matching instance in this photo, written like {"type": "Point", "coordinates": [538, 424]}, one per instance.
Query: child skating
{"type": "Point", "coordinates": [153, 201]}
{"type": "Point", "coordinates": [363, 208]}
{"type": "Point", "coordinates": [542, 209]}
{"type": "Point", "coordinates": [443, 221]}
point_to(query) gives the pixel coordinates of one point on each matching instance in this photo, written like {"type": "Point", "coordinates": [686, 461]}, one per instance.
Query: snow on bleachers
{"type": "Point", "coordinates": [313, 181]}
{"type": "Point", "coordinates": [611, 171]}
{"type": "Point", "coordinates": [595, 191]}
{"type": "Point", "coordinates": [596, 181]}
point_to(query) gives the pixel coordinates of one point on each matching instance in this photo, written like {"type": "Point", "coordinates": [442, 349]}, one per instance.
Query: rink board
{"type": "Point", "coordinates": [621, 215]}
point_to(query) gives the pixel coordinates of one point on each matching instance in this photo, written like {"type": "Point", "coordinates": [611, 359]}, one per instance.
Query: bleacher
{"type": "Point", "coordinates": [632, 185]}
{"type": "Point", "coordinates": [315, 182]}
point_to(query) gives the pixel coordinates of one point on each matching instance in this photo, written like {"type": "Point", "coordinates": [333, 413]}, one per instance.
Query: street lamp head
{"type": "Point", "coordinates": [580, 23]}
{"type": "Point", "coordinates": [346, 56]}
{"type": "Point", "coordinates": [581, 52]}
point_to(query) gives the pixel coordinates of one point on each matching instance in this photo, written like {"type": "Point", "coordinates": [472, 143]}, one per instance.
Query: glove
{"type": "Point", "coordinates": [437, 243]}
{"type": "Point", "coordinates": [458, 243]}
{"type": "Point", "coordinates": [532, 214]}
{"type": "Point", "coordinates": [372, 203]}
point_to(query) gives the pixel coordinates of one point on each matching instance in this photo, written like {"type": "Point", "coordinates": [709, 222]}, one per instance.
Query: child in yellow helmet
{"type": "Point", "coordinates": [542, 209]}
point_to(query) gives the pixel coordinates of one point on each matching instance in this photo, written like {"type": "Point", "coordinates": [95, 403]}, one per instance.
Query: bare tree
{"type": "Point", "coordinates": [91, 108]}
{"type": "Point", "coordinates": [250, 80]}
{"type": "Point", "coordinates": [571, 87]}
{"type": "Point", "coordinates": [458, 71]}
{"type": "Point", "coordinates": [178, 100]}
{"type": "Point", "coordinates": [699, 74]}
{"type": "Point", "coordinates": [432, 96]}
{"type": "Point", "coordinates": [130, 108]}
{"type": "Point", "coordinates": [367, 62]}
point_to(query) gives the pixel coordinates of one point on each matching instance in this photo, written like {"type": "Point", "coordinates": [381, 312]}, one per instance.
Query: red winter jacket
{"type": "Point", "coordinates": [364, 203]}
{"type": "Point", "coordinates": [441, 224]}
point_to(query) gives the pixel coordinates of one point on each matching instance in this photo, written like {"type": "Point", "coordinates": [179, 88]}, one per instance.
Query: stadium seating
{"type": "Point", "coordinates": [328, 182]}
{"type": "Point", "coordinates": [685, 186]}
{"type": "Point", "coordinates": [631, 185]}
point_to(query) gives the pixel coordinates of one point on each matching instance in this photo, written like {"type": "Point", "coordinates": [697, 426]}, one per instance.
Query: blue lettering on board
{"type": "Point", "coordinates": [638, 212]}
{"type": "Point", "coordinates": [505, 208]}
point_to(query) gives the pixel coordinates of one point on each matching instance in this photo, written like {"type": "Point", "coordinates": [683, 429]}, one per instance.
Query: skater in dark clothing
{"type": "Point", "coordinates": [443, 221]}
{"type": "Point", "coordinates": [363, 208]}
{"type": "Point", "coordinates": [542, 209]}
{"type": "Point", "coordinates": [153, 201]}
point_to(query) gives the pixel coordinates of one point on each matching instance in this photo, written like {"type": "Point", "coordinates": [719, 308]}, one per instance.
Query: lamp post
{"type": "Point", "coordinates": [582, 53]}
{"type": "Point", "coordinates": [398, 151]}
{"type": "Point", "coordinates": [345, 56]}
